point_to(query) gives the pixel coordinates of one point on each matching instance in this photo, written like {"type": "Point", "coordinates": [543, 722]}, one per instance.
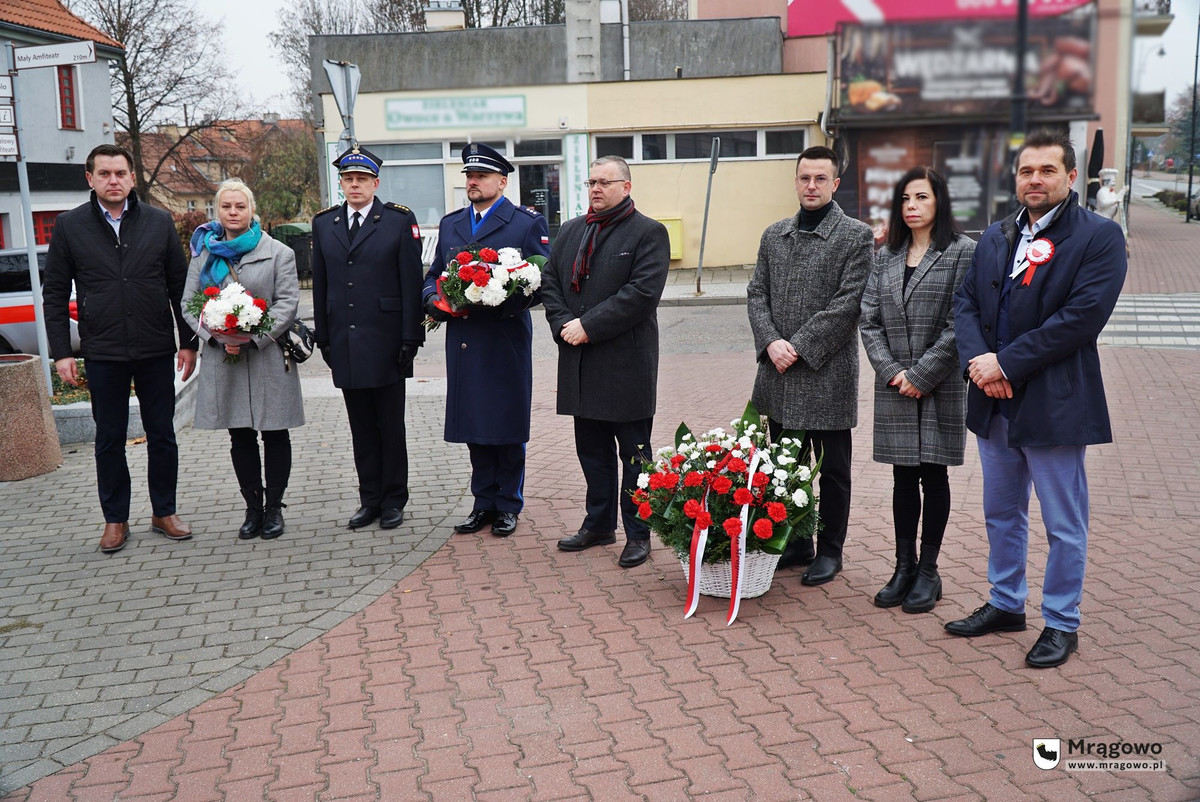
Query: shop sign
{"type": "Point", "coordinates": [575, 172]}
{"type": "Point", "coordinates": [820, 17]}
{"type": "Point", "coordinates": [948, 68]}
{"type": "Point", "coordinates": [506, 111]}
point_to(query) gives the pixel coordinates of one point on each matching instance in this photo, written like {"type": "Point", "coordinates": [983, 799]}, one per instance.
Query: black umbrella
{"type": "Point", "coordinates": [1095, 162]}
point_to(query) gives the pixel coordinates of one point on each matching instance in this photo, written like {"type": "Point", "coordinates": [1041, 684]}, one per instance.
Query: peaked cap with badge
{"type": "Point", "coordinates": [480, 158]}
{"type": "Point", "coordinates": [358, 160]}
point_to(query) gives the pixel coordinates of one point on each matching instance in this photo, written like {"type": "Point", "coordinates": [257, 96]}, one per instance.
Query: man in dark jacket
{"type": "Point", "coordinates": [1040, 288]}
{"type": "Point", "coordinates": [129, 269]}
{"type": "Point", "coordinates": [367, 311]}
{"type": "Point", "coordinates": [489, 350]}
{"type": "Point", "coordinates": [601, 289]}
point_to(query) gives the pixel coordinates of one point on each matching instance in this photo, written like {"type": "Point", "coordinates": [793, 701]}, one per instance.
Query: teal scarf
{"type": "Point", "coordinates": [222, 252]}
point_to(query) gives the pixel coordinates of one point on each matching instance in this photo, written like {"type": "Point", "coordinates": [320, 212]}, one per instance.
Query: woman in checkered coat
{"type": "Point", "coordinates": [907, 327]}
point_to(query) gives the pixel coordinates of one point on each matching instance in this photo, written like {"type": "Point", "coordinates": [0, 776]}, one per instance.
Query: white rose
{"type": "Point", "coordinates": [473, 293]}
{"type": "Point", "coordinates": [781, 475]}
{"type": "Point", "coordinates": [804, 473]}
{"type": "Point", "coordinates": [800, 498]}
{"type": "Point", "coordinates": [780, 490]}
{"type": "Point", "coordinates": [643, 480]}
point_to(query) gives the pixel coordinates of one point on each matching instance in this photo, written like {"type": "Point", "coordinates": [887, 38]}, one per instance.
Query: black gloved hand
{"type": "Point", "coordinates": [408, 352]}
{"type": "Point", "coordinates": [324, 349]}
{"type": "Point", "coordinates": [434, 312]}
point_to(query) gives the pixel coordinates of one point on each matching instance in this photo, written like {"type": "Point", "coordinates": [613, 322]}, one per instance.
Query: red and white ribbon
{"type": "Point", "coordinates": [737, 552]}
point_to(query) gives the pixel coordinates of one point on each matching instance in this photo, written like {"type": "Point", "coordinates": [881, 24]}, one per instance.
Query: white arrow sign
{"type": "Point", "coordinates": [54, 55]}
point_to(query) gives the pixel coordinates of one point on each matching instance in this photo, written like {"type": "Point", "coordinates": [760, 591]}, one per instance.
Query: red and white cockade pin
{"type": "Point", "coordinates": [1039, 252]}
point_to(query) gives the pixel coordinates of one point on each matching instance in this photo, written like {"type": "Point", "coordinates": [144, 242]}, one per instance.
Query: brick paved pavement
{"type": "Point", "coordinates": [503, 669]}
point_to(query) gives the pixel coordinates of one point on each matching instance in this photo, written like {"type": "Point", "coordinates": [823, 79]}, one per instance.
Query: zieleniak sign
{"type": "Point", "coordinates": [503, 111]}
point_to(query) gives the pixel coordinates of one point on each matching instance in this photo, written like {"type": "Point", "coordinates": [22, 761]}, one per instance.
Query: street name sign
{"type": "Point", "coordinates": [6, 89]}
{"type": "Point", "coordinates": [8, 145]}
{"type": "Point", "coordinates": [54, 55]}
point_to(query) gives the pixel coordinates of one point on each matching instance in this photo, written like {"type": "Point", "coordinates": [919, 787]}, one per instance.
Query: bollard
{"type": "Point", "coordinates": [28, 437]}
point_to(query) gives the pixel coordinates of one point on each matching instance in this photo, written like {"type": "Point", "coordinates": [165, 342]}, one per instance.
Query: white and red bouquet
{"type": "Point", "coordinates": [485, 277]}
{"type": "Point", "coordinates": [711, 498]}
{"type": "Point", "coordinates": [231, 315]}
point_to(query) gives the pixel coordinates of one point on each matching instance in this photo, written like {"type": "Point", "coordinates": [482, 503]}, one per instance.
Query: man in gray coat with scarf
{"type": "Point", "coordinates": [600, 289]}
{"type": "Point", "coordinates": [803, 303]}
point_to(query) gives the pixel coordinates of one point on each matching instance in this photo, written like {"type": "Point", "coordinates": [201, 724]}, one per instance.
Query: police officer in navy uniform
{"type": "Point", "coordinates": [367, 308]}
{"type": "Point", "coordinates": [489, 364]}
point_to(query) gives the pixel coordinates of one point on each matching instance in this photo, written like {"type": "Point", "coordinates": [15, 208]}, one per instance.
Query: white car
{"type": "Point", "coordinates": [18, 326]}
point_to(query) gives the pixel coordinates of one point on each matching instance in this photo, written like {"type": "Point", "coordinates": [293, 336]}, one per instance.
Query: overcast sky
{"type": "Point", "coordinates": [256, 62]}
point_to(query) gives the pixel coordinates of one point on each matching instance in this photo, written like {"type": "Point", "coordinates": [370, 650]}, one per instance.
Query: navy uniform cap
{"type": "Point", "coordinates": [478, 157]}
{"type": "Point", "coordinates": [358, 160]}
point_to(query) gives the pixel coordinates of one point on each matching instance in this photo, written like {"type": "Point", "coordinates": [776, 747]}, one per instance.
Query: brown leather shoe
{"type": "Point", "coordinates": [170, 526]}
{"type": "Point", "coordinates": [114, 537]}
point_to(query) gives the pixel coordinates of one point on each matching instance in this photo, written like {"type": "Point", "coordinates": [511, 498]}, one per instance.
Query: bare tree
{"type": "Point", "coordinates": [395, 16]}
{"type": "Point", "coordinates": [173, 67]}
{"type": "Point", "coordinates": [300, 19]}
{"type": "Point", "coordinates": [644, 10]}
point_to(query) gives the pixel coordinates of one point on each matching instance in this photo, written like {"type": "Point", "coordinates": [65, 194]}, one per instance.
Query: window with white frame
{"type": "Point", "coordinates": [745, 143]}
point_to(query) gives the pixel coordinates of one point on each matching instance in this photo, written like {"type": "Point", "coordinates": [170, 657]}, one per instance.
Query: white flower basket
{"type": "Point", "coordinates": [716, 579]}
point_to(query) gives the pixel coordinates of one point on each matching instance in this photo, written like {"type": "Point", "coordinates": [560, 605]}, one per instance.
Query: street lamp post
{"type": "Point", "coordinates": [1187, 210]}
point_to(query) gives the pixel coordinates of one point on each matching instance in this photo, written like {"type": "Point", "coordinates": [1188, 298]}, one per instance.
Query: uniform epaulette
{"type": "Point", "coordinates": [399, 207]}
{"type": "Point", "coordinates": [328, 209]}
{"type": "Point", "coordinates": [530, 212]}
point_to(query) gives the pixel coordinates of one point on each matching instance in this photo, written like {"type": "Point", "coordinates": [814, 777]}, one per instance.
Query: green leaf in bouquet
{"type": "Point", "coordinates": [680, 432]}
{"type": "Point", "coordinates": [536, 260]}
{"type": "Point", "coordinates": [751, 415]}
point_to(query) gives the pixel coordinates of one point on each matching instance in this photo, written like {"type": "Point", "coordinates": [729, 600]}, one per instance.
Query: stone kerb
{"type": "Point", "coordinates": [28, 445]}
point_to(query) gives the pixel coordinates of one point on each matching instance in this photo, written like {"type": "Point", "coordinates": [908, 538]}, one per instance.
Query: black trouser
{"type": "Point", "coordinates": [599, 445]}
{"type": "Point", "coordinates": [909, 483]}
{"type": "Point", "coordinates": [498, 476]}
{"type": "Point", "coordinates": [276, 458]}
{"type": "Point", "coordinates": [380, 449]}
{"type": "Point", "coordinates": [833, 447]}
{"type": "Point", "coordinates": [154, 380]}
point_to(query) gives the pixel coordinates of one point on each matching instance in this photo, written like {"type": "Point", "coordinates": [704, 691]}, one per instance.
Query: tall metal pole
{"type": "Point", "coordinates": [35, 281]}
{"type": "Point", "coordinates": [712, 169]}
{"type": "Point", "coordinates": [1187, 211]}
{"type": "Point", "coordinates": [1020, 100]}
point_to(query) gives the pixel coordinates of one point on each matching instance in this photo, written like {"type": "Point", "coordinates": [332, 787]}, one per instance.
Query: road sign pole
{"type": "Point", "coordinates": [35, 281]}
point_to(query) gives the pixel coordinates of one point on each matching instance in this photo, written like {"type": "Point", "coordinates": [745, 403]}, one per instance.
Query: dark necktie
{"type": "Point", "coordinates": [354, 225]}
{"type": "Point", "coordinates": [478, 218]}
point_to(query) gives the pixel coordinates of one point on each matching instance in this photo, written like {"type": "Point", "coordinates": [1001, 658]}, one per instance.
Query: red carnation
{"type": "Point", "coordinates": [639, 496]}
{"type": "Point", "coordinates": [733, 527]}
{"type": "Point", "coordinates": [481, 279]}
{"type": "Point", "coordinates": [645, 510]}
{"type": "Point", "coordinates": [704, 520]}
{"type": "Point", "coordinates": [677, 460]}
{"type": "Point", "coordinates": [713, 448]}
{"type": "Point", "coordinates": [693, 479]}
{"type": "Point", "coordinates": [760, 480]}
{"type": "Point", "coordinates": [261, 304]}
{"type": "Point", "coordinates": [466, 273]}
{"type": "Point", "coordinates": [489, 256]}
{"type": "Point", "coordinates": [722, 484]}
{"type": "Point", "coordinates": [762, 529]}
{"type": "Point", "coordinates": [463, 258]}
{"type": "Point", "coordinates": [742, 496]}
{"type": "Point", "coordinates": [737, 465]}
{"type": "Point", "coordinates": [212, 292]}
{"type": "Point", "coordinates": [777, 511]}
{"type": "Point", "coordinates": [670, 480]}
{"type": "Point", "coordinates": [692, 508]}
{"type": "Point", "coordinates": [231, 321]}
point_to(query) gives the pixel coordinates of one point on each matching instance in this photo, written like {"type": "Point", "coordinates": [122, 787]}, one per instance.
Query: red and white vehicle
{"type": "Point", "coordinates": [18, 326]}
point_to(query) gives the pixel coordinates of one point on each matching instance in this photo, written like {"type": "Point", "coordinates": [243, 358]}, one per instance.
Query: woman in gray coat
{"type": "Point", "coordinates": [260, 390]}
{"type": "Point", "coordinates": [907, 327]}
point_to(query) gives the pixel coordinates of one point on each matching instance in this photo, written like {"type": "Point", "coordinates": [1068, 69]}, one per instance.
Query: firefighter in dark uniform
{"type": "Point", "coordinates": [489, 364]}
{"type": "Point", "coordinates": [367, 308]}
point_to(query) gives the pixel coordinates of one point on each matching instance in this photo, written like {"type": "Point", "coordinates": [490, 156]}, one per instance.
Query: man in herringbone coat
{"type": "Point", "coordinates": [803, 302]}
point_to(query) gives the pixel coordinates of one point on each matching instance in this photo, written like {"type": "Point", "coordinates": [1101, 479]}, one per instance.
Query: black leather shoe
{"type": "Point", "coordinates": [634, 553]}
{"type": "Point", "coordinates": [799, 552]}
{"type": "Point", "coordinates": [1053, 648]}
{"type": "Point", "coordinates": [476, 521]}
{"type": "Point", "coordinates": [391, 517]}
{"type": "Point", "coordinates": [925, 592]}
{"type": "Point", "coordinates": [986, 619]}
{"type": "Point", "coordinates": [894, 592]}
{"type": "Point", "coordinates": [823, 570]}
{"type": "Point", "coordinates": [363, 517]}
{"type": "Point", "coordinates": [505, 525]}
{"type": "Point", "coordinates": [585, 539]}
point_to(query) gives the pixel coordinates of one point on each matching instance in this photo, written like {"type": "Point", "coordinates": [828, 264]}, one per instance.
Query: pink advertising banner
{"type": "Point", "coordinates": [819, 17]}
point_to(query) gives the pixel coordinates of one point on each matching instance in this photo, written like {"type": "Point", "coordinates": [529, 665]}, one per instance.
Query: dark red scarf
{"type": "Point", "coordinates": [596, 222]}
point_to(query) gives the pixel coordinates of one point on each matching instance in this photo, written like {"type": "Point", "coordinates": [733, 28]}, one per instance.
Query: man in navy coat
{"type": "Point", "coordinates": [489, 363]}
{"type": "Point", "coordinates": [1040, 289]}
{"type": "Point", "coordinates": [367, 310]}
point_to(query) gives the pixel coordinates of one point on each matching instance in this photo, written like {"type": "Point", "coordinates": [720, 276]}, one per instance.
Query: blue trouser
{"type": "Point", "coordinates": [1057, 474]}
{"type": "Point", "coordinates": [154, 381]}
{"type": "Point", "coordinates": [498, 476]}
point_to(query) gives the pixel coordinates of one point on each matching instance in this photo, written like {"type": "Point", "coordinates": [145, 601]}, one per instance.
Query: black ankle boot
{"type": "Point", "coordinates": [273, 513]}
{"type": "Point", "coordinates": [896, 589]}
{"type": "Point", "coordinates": [253, 524]}
{"type": "Point", "coordinates": [926, 591]}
